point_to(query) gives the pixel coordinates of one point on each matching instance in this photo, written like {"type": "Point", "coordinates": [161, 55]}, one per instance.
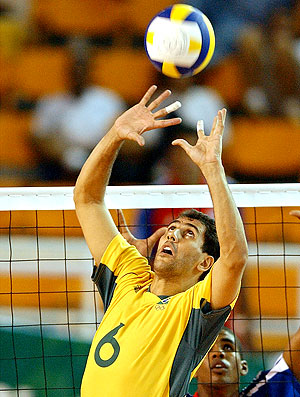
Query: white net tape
{"type": "Point", "coordinates": [152, 196]}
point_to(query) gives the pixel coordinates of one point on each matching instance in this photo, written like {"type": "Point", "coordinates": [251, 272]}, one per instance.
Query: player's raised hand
{"type": "Point", "coordinates": [295, 213]}
{"type": "Point", "coordinates": [208, 149]}
{"type": "Point", "coordinates": [144, 246]}
{"type": "Point", "coordinates": [142, 117]}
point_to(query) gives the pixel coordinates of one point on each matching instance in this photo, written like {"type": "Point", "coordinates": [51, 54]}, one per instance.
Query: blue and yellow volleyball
{"type": "Point", "coordinates": [180, 41]}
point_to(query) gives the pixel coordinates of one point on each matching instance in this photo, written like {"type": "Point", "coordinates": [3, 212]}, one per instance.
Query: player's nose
{"type": "Point", "coordinates": [173, 235]}
{"type": "Point", "coordinates": [217, 353]}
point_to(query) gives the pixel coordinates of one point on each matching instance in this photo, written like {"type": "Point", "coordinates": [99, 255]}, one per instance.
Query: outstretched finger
{"type": "Point", "coordinates": [159, 100]}
{"type": "Point", "coordinates": [168, 109]}
{"type": "Point", "coordinates": [224, 113]}
{"type": "Point", "coordinates": [167, 123]}
{"type": "Point", "coordinates": [132, 136]}
{"type": "Point", "coordinates": [182, 143]}
{"type": "Point", "coordinates": [295, 213]}
{"type": "Point", "coordinates": [218, 128]}
{"type": "Point", "coordinates": [146, 98]}
{"type": "Point", "coordinates": [121, 220]}
{"type": "Point", "coordinates": [214, 124]}
{"type": "Point", "coordinates": [200, 128]}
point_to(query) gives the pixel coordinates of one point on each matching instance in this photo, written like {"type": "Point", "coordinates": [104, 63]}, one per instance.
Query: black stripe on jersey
{"type": "Point", "coordinates": [105, 281]}
{"type": "Point", "coordinates": [201, 331]}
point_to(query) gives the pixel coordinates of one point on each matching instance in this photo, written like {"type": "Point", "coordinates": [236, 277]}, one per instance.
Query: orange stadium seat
{"type": "Point", "coordinates": [226, 78]}
{"type": "Point", "coordinates": [15, 152]}
{"type": "Point", "coordinates": [41, 71]}
{"type": "Point", "coordinates": [17, 158]}
{"type": "Point", "coordinates": [85, 17]}
{"type": "Point", "coordinates": [139, 13]}
{"type": "Point", "coordinates": [6, 76]}
{"type": "Point", "coordinates": [261, 147]}
{"type": "Point", "coordinates": [124, 70]}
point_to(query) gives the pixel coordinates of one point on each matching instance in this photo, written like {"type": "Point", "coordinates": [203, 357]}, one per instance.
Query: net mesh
{"type": "Point", "coordinates": [50, 309]}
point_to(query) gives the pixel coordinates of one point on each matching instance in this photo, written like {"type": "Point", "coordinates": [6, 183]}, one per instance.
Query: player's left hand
{"type": "Point", "coordinates": [208, 149]}
{"type": "Point", "coordinates": [143, 117]}
{"type": "Point", "coordinates": [144, 246]}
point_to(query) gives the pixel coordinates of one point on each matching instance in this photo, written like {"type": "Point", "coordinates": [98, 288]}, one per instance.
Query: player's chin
{"type": "Point", "coordinates": [164, 258]}
{"type": "Point", "coordinates": [163, 261]}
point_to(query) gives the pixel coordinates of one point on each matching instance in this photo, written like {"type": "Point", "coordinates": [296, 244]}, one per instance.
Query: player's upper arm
{"type": "Point", "coordinates": [98, 227]}
{"type": "Point", "coordinates": [226, 283]}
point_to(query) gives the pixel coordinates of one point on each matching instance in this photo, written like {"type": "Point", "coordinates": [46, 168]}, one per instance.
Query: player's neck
{"type": "Point", "coordinates": [210, 391]}
{"type": "Point", "coordinates": [169, 287]}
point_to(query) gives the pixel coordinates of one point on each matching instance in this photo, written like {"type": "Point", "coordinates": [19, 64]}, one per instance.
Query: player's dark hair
{"type": "Point", "coordinates": [211, 243]}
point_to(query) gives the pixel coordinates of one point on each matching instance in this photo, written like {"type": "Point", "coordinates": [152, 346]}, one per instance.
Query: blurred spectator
{"type": "Point", "coordinates": [67, 126]}
{"type": "Point", "coordinates": [175, 167]}
{"type": "Point", "coordinates": [271, 69]}
{"type": "Point", "coordinates": [20, 9]}
{"type": "Point", "coordinates": [231, 16]}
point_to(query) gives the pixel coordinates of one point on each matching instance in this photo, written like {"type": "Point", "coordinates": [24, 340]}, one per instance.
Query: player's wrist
{"type": "Point", "coordinates": [118, 132]}
{"type": "Point", "coordinates": [212, 168]}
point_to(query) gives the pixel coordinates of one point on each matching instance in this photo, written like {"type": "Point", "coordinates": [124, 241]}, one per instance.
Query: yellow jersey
{"type": "Point", "coordinates": [146, 345]}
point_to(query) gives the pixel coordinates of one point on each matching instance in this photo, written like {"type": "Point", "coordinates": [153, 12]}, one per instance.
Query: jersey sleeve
{"type": "Point", "coordinates": [120, 263]}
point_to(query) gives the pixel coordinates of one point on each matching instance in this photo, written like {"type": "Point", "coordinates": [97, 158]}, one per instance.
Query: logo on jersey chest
{"type": "Point", "coordinates": [162, 304]}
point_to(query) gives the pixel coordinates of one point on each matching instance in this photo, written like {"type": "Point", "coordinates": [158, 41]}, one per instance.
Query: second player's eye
{"type": "Point", "coordinates": [228, 347]}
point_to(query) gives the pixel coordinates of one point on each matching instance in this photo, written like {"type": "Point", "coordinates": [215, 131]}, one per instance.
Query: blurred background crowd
{"type": "Point", "coordinates": [70, 67]}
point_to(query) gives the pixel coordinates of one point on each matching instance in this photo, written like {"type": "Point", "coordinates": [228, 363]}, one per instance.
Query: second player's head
{"type": "Point", "coordinates": [220, 371]}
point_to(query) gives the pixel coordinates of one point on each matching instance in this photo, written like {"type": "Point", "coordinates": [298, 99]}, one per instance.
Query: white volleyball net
{"type": "Point", "coordinates": [49, 307]}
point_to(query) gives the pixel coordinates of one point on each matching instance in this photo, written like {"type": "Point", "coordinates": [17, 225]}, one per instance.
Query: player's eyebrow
{"type": "Point", "coordinates": [226, 339]}
{"type": "Point", "coordinates": [186, 223]}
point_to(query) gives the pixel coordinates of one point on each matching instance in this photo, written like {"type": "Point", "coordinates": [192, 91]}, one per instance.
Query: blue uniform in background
{"type": "Point", "coordinates": [276, 382]}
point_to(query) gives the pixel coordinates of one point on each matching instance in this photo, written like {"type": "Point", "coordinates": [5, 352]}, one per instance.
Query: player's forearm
{"type": "Point", "coordinates": [95, 173]}
{"type": "Point", "coordinates": [230, 229]}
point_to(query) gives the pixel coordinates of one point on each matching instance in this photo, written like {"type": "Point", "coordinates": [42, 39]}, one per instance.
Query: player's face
{"type": "Point", "coordinates": [222, 367]}
{"type": "Point", "coordinates": [180, 248]}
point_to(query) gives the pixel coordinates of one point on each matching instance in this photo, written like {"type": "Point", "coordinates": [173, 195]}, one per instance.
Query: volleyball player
{"type": "Point", "coordinates": [158, 325]}
{"type": "Point", "coordinates": [220, 372]}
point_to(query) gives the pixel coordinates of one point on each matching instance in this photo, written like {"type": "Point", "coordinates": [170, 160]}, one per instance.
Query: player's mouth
{"type": "Point", "coordinates": [218, 366]}
{"type": "Point", "coordinates": [167, 249]}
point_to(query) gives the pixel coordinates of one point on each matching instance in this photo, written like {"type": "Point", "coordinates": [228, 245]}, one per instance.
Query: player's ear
{"type": "Point", "coordinates": [206, 264]}
{"type": "Point", "coordinates": [244, 368]}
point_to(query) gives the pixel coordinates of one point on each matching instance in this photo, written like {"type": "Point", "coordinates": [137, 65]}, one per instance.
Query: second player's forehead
{"type": "Point", "coordinates": [225, 336]}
